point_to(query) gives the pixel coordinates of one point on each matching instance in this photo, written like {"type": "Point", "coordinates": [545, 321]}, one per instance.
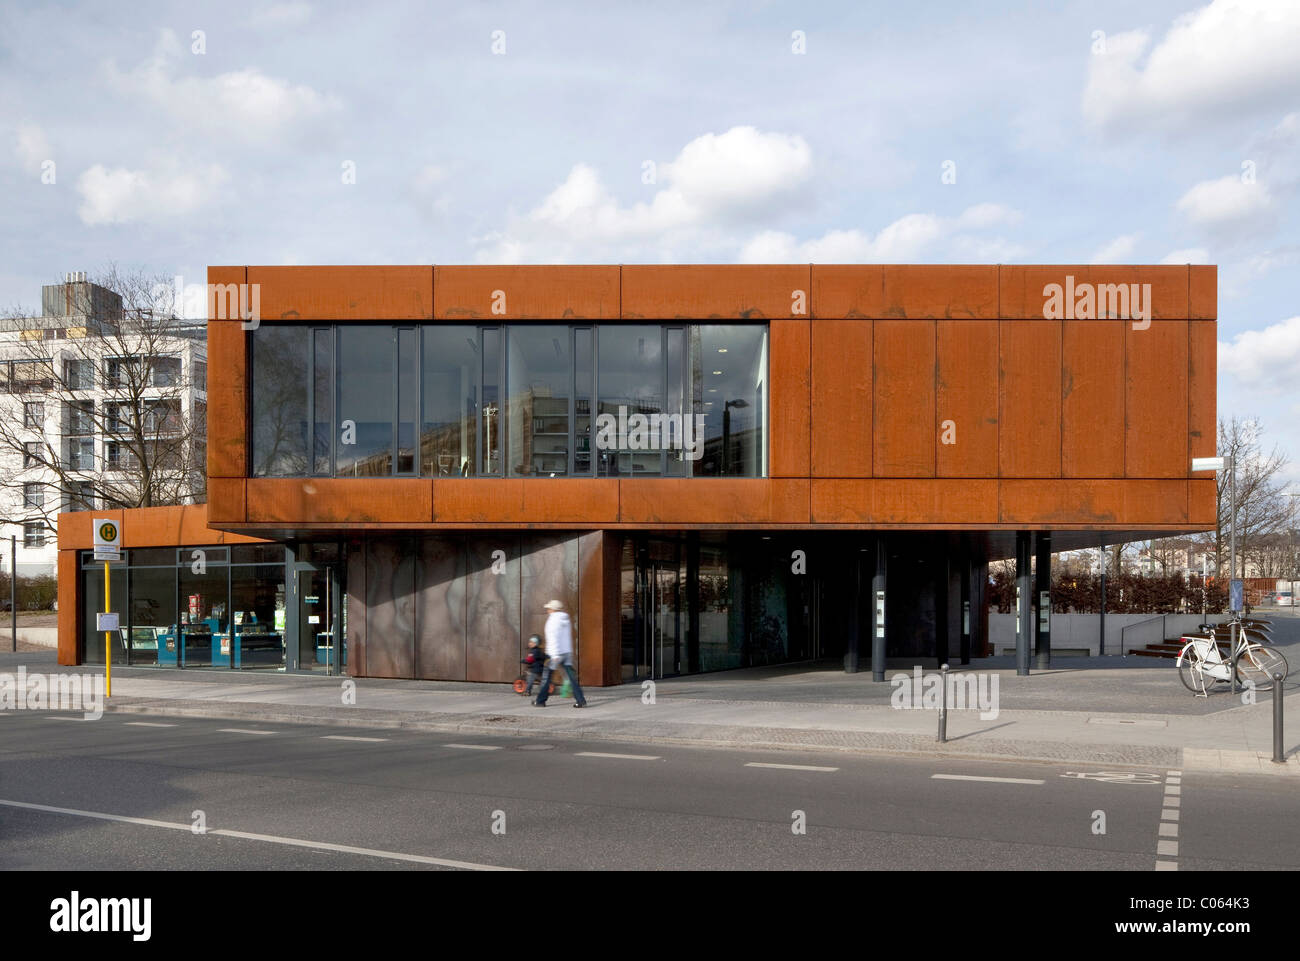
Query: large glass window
{"type": "Point", "coordinates": [204, 615]}
{"type": "Point", "coordinates": [631, 385]}
{"type": "Point", "coordinates": [408, 398]}
{"type": "Point", "coordinates": [490, 418]}
{"type": "Point", "coordinates": [527, 400]}
{"type": "Point", "coordinates": [538, 370]}
{"type": "Point", "coordinates": [729, 363]}
{"type": "Point", "coordinates": [451, 377]}
{"type": "Point", "coordinates": [583, 389]}
{"type": "Point", "coordinates": [363, 417]}
{"type": "Point", "coordinates": [280, 384]}
{"type": "Point", "coordinates": [322, 380]}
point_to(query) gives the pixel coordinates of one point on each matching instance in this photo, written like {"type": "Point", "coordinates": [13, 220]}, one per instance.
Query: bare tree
{"type": "Point", "coordinates": [108, 364]}
{"type": "Point", "coordinates": [1262, 508]}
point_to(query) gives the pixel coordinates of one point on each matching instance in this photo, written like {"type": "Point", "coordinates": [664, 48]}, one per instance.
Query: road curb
{"type": "Point", "coordinates": [773, 739]}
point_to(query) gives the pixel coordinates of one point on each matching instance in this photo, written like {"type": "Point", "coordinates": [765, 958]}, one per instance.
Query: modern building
{"type": "Point", "coordinates": [73, 383]}
{"type": "Point", "coordinates": [712, 467]}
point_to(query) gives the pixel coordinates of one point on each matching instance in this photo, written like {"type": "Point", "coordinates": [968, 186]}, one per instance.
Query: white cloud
{"type": "Point", "coordinates": [1190, 255]}
{"type": "Point", "coordinates": [715, 180]}
{"type": "Point", "coordinates": [907, 238]}
{"type": "Point", "coordinates": [1227, 204]}
{"type": "Point", "coordinates": [1118, 251]}
{"type": "Point", "coordinates": [245, 104]}
{"type": "Point", "coordinates": [1264, 360]}
{"type": "Point", "coordinates": [119, 195]}
{"type": "Point", "coordinates": [738, 169]}
{"type": "Point", "coordinates": [1227, 57]}
{"type": "Point", "coordinates": [32, 148]}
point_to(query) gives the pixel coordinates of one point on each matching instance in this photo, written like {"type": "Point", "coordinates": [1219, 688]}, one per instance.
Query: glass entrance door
{"type": "Point", "coordinates": [661, 621]}
{"type": "Point", "coordinates": [320, 645]}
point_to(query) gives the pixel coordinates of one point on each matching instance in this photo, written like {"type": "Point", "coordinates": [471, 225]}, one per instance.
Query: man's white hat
{"type": "Point", "coordinates": [554, 605]}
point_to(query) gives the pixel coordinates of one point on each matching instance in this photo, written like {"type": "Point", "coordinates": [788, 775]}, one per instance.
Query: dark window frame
{"type": "Point", "coordinates": [330, 333]}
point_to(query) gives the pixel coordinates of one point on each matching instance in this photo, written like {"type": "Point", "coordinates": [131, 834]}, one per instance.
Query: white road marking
{"type": "Point", "coordinates": [268, 838]}
{"type": "Point", "coordinates": [147, 724]}
{"type": "Point", "coordinates": [791, 767]}
{"type": "Point", "coordinates": [475, 747]}
{"type": "Point", "coordinates": [240, 730]}
{"type": "Point", "coordinates": [972, 777]}
{"type": "Point", "coordinates": [1174, 773]}
{"type": "Point", "coordinates": [65, 717]}
{"type": "Point", "coordinates": [1169, 848]}
{"type": "Point", "coordinates": [349, 737]}
{"type": "Point", "coordinates": [1166, 865]}
{"type": "Point", "coordinates": [1168, 830]}
{"type": "Point", "coordinates": [622, 757]}
{"type": "Point", "coordinates": [1173, 789]}
{"type": "Point", "coordinates": [1173, 802]}
{"type": "Point", "coordinates": [1169, 814]}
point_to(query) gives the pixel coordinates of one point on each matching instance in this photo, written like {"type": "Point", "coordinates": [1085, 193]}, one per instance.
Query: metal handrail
{"type": "Point", "coordinates": [1124, 630]}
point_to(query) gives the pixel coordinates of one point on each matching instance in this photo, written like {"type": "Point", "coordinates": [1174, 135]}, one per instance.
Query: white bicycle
{"type": "Point", "coordinates": [1201, 663]}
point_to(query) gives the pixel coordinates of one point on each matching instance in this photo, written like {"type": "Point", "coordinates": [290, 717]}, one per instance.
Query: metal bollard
{"type": "Point", "coordinates": [1277, 720]}
{"type": "Point", "coordinates": [943, 705]}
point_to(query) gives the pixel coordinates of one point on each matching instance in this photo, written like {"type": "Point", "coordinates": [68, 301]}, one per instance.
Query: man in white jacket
{"type": "Point", "coordinates": [559, 653]}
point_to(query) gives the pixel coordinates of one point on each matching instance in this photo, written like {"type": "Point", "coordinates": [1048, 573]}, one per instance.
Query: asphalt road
{"type": "Point", "coordinates": [281, 799]}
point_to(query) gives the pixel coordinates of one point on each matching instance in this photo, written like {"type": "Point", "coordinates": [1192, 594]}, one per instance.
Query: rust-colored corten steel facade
{"type": "Point", "coordinates": [900, 399]}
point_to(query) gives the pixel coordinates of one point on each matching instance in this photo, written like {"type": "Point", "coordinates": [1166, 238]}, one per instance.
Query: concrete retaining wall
{"type": "Point", "coordinates": [1079, 631]}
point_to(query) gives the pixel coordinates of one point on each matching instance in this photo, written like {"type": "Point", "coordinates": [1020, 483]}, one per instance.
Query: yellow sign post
{"type": "Point", "coordinates": [108, 647]}
{"type": "Point", "coordinates": [108, 547]}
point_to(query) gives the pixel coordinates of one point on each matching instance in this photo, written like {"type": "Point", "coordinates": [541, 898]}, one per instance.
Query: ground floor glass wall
{"type": "Point", "coordinates": [219, 607]}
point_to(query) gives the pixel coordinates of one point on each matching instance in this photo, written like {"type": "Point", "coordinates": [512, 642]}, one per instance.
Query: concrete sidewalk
{"type": "Point", "coordinates": [1131, 713]}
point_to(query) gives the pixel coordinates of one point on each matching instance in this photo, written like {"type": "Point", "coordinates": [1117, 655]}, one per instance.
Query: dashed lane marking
{"type": "Point", "coordinates": [349, 737]}
{"type": "Point", "coordinates": [792, 767]}
{"type": "Point", "coordinates": [972, 777]}
{"type": "Point", "coordinates": [240, 730]}
{"type": "Point", "coordinates": [619, 757]}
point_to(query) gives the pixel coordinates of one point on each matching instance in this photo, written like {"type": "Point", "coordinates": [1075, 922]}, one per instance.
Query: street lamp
{"type": "Point", "coordinates": [726, 430]}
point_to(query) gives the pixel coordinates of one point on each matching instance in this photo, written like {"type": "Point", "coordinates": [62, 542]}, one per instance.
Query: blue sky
{"type": "Point", "coordinates": [525, 132]}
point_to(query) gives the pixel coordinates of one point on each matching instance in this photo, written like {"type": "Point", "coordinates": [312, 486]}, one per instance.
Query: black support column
{"type": "Point", "coordinates": [965, 571]}
{"type": "Point", "coordinates": [852, 658]}
{"type": "Point", "coordinates": [943, 605]}
{"type": "Point", "coordinates": [1043, 601]}
{"type": "Point", "coordinates": [1024, 623]}
{"type": "Point", "coordinates": [877, 608]}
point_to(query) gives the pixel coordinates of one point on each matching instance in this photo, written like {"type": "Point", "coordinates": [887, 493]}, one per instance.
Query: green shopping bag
{"type": "Point", "coordinates": [566, 690]}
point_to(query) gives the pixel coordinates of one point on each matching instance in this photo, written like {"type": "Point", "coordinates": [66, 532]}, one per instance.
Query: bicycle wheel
{"type": "Point", "coordinates": [1259, 664]}
{"type": "Point", "coordinates": [1189, 670]}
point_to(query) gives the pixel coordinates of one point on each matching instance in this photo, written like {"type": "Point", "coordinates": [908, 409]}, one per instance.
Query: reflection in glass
{"type": "Point", "coordinates": [631, 384]}
{"type": "Point", "coordinates": [582, 397]}
{"type": "Point", "coordinates": [323, 412]}
{"type": "Point", "coordinates": [449, 424]}
{"type": "Point", "coordinates": [491, 412]}
{"type": "Point", "coordinates": [364, 415]}
{"type": "Point", "coordinates": [280, 401]}
{"type": "Point", "coordinates": [730, 364]}
{"type": "Point", "coordinates": [408, 398]}
{"type": "Point", "coordinates": [538, 368]}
